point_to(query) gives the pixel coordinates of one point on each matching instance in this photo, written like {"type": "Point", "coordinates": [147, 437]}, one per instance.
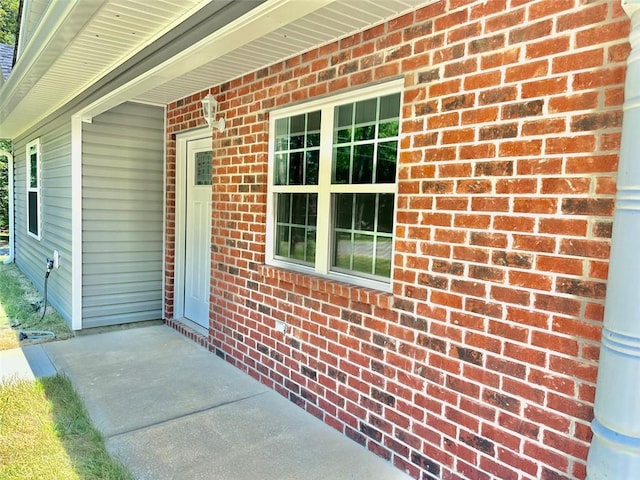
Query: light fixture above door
{"type": "Point", "coordinates": [209, 112]}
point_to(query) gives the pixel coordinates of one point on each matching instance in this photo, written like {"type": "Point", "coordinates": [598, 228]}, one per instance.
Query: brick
{"type": "Point", "coordinates": [592, 164]}
{"type": "Point", "coordinates": [563, 226]}
{"type": "Point", "coordinates": [583, 17]}
{"type": "Point", "coordinates": [520, 148]}
{"type": "Point", "coordinates": [526, 71]}
{"type": "Point", "coordinates": [544, 87]}
{"type": "Point", "coordinates": [566, 185]}
{"type": "Point", "coordinates": [584, 248]}
{"type": "Point", "coordinates": [535, 205]}
{"type": "Point", "coordinates": [510, 295]}
{"type": "Point", "coordinates": [479, 115]}
{"type": "Point", "coordinates": [547, 47]}
{"type": "Point", "coordinates": [598, 77]}
{"type": "Point", "coordinates": [575, 102]}
{"type": "Point", "coordinates": [596, 121]}
{"type": "Point", "coordinates": [477, 442]}
{"type": "Point", "coordinates": [497, 95]}
{"type": "Point", "coordinates": [523, 109]}
{"type": "Point", "coordinates": [588, 206]}
{"type": "Point", "coordinates": [545, 9]}
{"type": "Point", "coordinates": [569, 266]}
{"type": "Point", "coordinates": [531, 31]}
{"type": "Point", "coordinates": [491, 132]}
{"type": "Point", "coordinates": [575, 144]}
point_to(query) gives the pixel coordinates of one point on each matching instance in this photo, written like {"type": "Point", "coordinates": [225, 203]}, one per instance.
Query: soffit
{"type": "Point", "coordinates": [338, 19]}
{"type": "Point", "coordinates": [92, 43]}
{"type": "Point", "coordinates": [67, 54]}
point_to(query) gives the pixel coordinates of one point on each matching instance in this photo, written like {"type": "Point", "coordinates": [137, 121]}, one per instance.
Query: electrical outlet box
{"type": "Point", "coordinates": [56, 259]}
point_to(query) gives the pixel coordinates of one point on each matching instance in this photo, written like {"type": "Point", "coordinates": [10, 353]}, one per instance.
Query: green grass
{"type": "Point", "coordinates": [17, 295]}
{"type": "Point", "coordinates": [45, 433]}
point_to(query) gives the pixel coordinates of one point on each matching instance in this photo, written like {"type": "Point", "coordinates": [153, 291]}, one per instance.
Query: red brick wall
{"type": "Point", "coordinates": [482, 362]}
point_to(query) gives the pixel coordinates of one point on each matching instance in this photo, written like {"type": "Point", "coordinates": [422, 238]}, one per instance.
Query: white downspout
{"type": "Point", "coordinates": [615, 448]}
{"type": "Point", "coordinates": [12, 232]}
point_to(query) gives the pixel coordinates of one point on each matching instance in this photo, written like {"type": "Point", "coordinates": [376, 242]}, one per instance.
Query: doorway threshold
{"type": "Point", "coordinates": [191, 330]}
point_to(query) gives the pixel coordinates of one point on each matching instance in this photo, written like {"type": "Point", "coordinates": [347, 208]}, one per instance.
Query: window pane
{"type": "Point", "coordinates": [282, 134]}
{"type": "Point", "coordinates": [283, 207]}
{"type": "Point", "coordinates": [362, 164]}
{"type": "Point", "coordinates": [388, 129]}
{"type": "Point", "coordinates": [297, 131]}
{"type": "Point", "coordinates": [282, 240]}
{"type": "Point", "coordinates": [365, 212]}
{"type": "Point", "coordinates": [367, 132]}
{"type": "Point", "coordinates": [363, 253]}
{"type": "Point", "coordinates": [313, 161]}
{"type": "Point", "coordinates": [203, 168]}
{"type": "Point", "coordinates": [280, 172]}
{"type": "Point", "coordinates": [390, 106]}
{"type": "Point", "coordinates": [313, 121]}
{"type": "Point", "coordinates": [341, 164]}
{"type": "Point", "coordinates": [310, 255]}
{"type": "Point", "coordinates": [386, 204]}
{"type": "Point", "coordinates": [383, 256]}
{"type": "Point", "coordinates": [366, 111]}
{"type": "Point", "coordinates": [299, 209]}
{"type": "Point", "coordinates": [344, 115]}
{"type": "Point", "coordinates": [297, 149]}
{"type": "Point", "coordinates": [362, 233]}
{"type": "Point", "coordinates": [313, 140]}
{"type": "Point", "coordinates": [344, 210]}
{"type": "Point", "coordinates": [295, 226]}
{"type": "Point", "coordinates": [342, 248]}
{"type": "Point", "coordinates": [298, 243]}
{"type": "Point", "coordinates": [33, 212]}
{"type": "Point", "coordinates": [373, 159]}
{"type": "Point", "coordinates": [33, 170]}
{"type": "Point", "coordinates": [387, 160]}
{"type": "Point", "coordinates": [296, 168]}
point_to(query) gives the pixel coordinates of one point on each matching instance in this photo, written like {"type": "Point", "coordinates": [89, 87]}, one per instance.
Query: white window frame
{"type": "Point", "coordinates": [30, 148]}
{"type": "Point", "coordinates": [325, 188]}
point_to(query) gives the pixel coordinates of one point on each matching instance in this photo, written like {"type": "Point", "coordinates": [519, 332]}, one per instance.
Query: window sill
{"type": "Point", "coordinates": [308, 283]}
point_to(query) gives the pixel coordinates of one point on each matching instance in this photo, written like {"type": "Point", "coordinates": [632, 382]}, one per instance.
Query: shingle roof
{"type": "Point", "coordinates": [6, 59]}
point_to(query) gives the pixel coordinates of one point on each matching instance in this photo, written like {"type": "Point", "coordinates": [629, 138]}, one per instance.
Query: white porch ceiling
{"type": "Point", "coordinates": [81, 41]}
{"type": "Point", "coordinates": [336, 20]}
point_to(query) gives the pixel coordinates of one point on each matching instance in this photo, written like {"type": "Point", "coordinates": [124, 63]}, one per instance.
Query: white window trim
{"type": "Point", "coordinates": [38, 189]}
{"type": "Point", "coordinates": [324, 189]}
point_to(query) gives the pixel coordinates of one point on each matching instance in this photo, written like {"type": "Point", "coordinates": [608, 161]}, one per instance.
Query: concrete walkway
{"type": "Point", "coordinates": [169, 409]}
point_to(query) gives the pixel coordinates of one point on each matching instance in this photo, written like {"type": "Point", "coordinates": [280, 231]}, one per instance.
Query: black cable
{"type": "Point", "coordinates": [46, 280]}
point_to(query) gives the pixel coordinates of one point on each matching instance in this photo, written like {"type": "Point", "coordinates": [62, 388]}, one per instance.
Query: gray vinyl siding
{"type": "Point", "coordinates": [122, 210]}
{"type": "Point", "coordinates": [55, 202]}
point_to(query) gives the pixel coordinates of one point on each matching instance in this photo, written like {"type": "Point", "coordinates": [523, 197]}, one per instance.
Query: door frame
{"type": "Point", "coordinates": [182, 139]}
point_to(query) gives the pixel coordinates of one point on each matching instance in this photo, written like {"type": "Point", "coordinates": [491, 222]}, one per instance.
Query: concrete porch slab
{"type": "Point", "coordinates": [170, 409]}
{"type": "Point", "coordinates": [141, 376]}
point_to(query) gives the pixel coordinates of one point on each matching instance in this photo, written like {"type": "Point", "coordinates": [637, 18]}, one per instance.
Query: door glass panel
{"type": "Point", "coordinates": [203, 168]}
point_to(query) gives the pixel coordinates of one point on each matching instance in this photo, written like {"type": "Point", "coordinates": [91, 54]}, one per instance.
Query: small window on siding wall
{"type": "Point", "coordinates": [332, 185]}
{"type": "Point", "coordinates": [34, 220]}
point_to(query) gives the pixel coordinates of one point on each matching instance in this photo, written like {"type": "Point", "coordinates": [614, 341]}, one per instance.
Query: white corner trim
{"type": "Point", "coordinates": [11, 188]}
{"type": "Point", "coordinates": [76, 222]}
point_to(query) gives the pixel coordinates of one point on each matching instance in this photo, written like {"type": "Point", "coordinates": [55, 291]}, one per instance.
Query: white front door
{"type": "Point", "coordinates": [197, 259]}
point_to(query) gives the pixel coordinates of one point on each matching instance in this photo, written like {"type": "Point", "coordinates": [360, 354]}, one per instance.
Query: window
{"type": "Point", "coordinates": [332, 185]}
{"type": "Point", "coordinates": [33, 189]}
